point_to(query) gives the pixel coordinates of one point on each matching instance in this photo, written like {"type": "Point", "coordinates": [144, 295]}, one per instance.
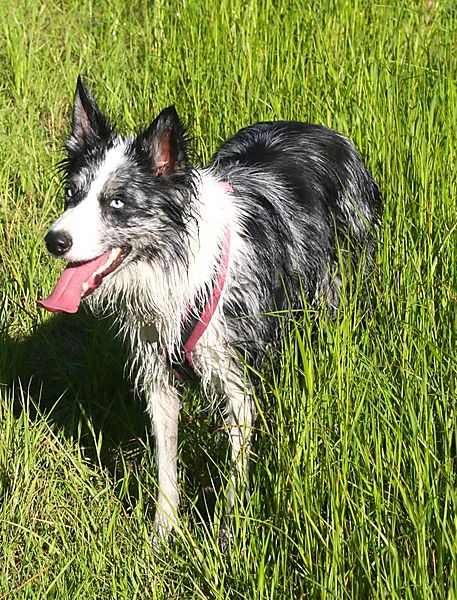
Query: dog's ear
{"type": "Point", "coordinates": [90, 126]}
{"type": "Point", "coordinates": [164, 143]}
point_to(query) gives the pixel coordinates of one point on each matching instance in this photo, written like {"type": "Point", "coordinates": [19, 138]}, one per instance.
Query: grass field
{"type": "Point", "coordinates": [354, 484]}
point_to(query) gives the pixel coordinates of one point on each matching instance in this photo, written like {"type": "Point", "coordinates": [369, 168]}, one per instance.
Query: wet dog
{"type": "Point", "coordinates": [193, 262]}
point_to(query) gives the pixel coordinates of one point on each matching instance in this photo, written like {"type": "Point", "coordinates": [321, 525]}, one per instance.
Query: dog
{"type": "Point", "coordinates": [194, 262]}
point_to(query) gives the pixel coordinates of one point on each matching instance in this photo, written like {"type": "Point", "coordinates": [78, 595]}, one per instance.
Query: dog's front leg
{"type": "Point", "coordinates": [163, 407]}
{"type": "Point", "coordinates": [239, 421]}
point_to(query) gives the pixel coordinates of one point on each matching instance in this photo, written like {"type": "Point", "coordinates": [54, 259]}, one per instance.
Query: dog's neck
{"type": "Point", "coordinates": [207, 233]}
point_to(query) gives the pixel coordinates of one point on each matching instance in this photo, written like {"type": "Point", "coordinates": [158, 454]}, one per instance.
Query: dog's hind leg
{"type": "Point", "coordinates": [163, 407]}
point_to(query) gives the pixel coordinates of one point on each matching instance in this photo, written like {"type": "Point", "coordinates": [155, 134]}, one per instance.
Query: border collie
{"type": "Point", "coordinates": [193, 262]}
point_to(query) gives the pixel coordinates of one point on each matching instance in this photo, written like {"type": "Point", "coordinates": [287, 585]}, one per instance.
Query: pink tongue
{"type": "Point", "coordinates": [66, 296]}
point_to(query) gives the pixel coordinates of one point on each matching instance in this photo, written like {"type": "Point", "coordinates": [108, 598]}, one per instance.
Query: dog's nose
{"type": "Point", "coordinates": [58, 242]}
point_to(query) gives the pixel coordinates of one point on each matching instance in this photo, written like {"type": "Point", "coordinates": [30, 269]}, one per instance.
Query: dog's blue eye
{"type": "Point", "coordinates": [116, 203]}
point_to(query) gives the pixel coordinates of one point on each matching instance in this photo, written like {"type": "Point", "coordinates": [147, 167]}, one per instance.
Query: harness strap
{"type": "Point", "coordinates": [195, 322]}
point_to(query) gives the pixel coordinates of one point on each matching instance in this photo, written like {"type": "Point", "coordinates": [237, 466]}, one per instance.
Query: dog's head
{"type": "Point", "coordinates": [125, 198]}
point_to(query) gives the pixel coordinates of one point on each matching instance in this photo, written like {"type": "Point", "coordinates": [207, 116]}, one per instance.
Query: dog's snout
{"type": "Point", "coordinates": [58, 242]}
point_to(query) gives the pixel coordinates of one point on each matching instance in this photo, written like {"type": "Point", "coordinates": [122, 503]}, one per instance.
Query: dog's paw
{"type": "Point", "coordinates": [225, 540]}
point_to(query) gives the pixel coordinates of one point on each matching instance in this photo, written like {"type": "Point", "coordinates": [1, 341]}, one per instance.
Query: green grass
{"type": "Point", "coordinates": [353, 489]}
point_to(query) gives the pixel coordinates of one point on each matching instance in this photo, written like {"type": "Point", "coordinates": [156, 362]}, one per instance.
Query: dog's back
{"type": "Point", "coordinates": [303, 199]}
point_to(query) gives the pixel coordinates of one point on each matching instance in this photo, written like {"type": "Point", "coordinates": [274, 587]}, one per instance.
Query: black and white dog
{"type": "Point", "coordinates": [193, 262]}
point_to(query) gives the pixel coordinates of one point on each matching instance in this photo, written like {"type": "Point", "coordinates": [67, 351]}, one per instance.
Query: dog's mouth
{"type": "Point", "coordinates": [81, 279]}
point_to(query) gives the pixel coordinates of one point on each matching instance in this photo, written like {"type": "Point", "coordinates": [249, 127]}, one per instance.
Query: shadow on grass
{"type": "Point", "coordinates": [73, 368]}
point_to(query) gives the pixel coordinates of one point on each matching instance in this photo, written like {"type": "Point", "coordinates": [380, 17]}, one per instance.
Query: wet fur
{"type": "Point", "coordinates": [300, 192]}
